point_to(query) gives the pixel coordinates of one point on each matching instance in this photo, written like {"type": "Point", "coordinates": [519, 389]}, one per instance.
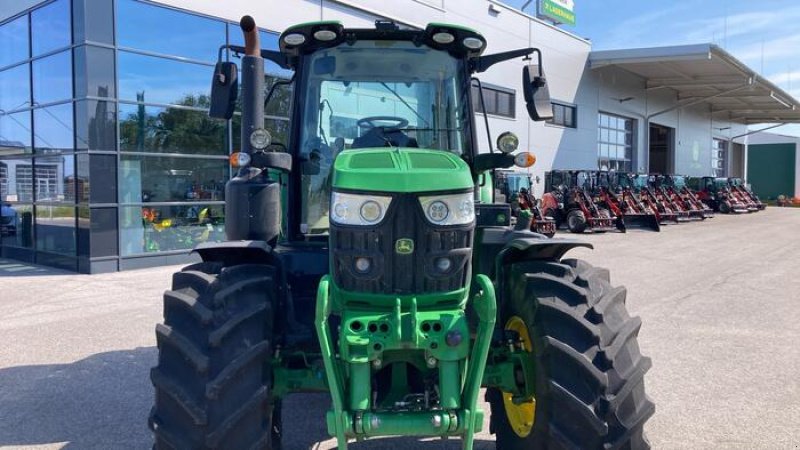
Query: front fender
{"type": "Point", "coordinates": [535, 249]}
{"type": "Point", "coordinates": [236, 252]}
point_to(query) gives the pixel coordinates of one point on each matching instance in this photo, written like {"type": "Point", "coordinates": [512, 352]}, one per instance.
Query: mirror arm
{"type": "Point", "coordinates": [482, 63]}
{"type": "Point", "coordinates": [491, 161]}
{"type": "Point", "coordinates": [277, 57]}
{"type": "Point", "coordinates": [483, 109]}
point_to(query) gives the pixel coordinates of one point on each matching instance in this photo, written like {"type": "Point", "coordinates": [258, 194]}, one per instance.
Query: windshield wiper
{"type": "Point", "coordinates": [404, 102]}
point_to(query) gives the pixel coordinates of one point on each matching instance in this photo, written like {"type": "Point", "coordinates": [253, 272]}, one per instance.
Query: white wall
{"type": "Point", "coordinates": [617, 91]}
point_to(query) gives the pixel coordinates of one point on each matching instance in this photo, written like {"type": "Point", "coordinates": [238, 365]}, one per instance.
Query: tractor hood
{"type": "Point", "coordinates": [402, 170]}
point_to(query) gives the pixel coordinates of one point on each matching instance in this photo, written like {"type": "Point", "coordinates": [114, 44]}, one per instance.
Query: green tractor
{"type": "Point", "coordinates": [364, 260]}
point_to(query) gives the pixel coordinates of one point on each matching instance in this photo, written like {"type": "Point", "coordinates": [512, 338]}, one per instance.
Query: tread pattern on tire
{"type": "Point", "coordinates": [211, 386]}
{"type": "Point", "coordinates": [590, 372]}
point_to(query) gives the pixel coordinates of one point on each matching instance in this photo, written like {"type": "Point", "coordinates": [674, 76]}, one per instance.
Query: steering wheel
{"type": "Point", "coordinates": [369, 122]}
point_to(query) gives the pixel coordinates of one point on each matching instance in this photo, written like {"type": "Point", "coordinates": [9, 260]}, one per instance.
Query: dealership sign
{"type": "Point", "coordinates": [559, 11]}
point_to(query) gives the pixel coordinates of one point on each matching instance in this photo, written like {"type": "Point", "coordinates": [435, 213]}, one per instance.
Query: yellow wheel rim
{"type": "Point", "coordinates": [520, 416]}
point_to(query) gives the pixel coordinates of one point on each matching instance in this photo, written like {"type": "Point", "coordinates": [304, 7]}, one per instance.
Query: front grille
{"type": "Point", "coordinates": [395, 273]}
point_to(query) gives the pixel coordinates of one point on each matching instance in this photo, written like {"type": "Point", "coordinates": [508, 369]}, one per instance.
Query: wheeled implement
{"type": "Point", "coordinates": [567, 198]}
{"type": "Point", "coordinates": [746, 195]}
{"type": "Point", "coordinates": [364, 261]}
{"type": "Point", "coordinates": [717, 193]}
{"type": "Point", "coordinates": [614, 190]}
{"type": "Point", "coordinates": [516, 189]}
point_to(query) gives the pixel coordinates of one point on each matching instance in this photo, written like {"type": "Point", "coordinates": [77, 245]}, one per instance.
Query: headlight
{"type": "Point", "coordinates": [356, 209]}
{"type": "Point", "coordinates": [453, 209]}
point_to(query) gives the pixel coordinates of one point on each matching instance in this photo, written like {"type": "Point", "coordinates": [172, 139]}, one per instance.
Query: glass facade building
{"type": "Point", "coordinates": [108, 159]}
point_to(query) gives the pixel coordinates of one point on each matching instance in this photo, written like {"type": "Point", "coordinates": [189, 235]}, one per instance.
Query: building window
{"type": "Point", "coordinates": [24, 178]}
{"type": "Point", "coordinates": [615, 136]}
{"type": "Point", "coordinates": [498, 101]}
{"type": "Point", "coordinates": [564, 115]}
{"type": "Point", "coordinates": [3, 181]}
{"type": "Point", "coordinates": [719, 158]}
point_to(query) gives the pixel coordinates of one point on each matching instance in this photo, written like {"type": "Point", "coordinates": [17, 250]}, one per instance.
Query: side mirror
{"type": "Point", "coordinates": [537, 94]}
{"type": "Point", "coordinates": [224, 89]}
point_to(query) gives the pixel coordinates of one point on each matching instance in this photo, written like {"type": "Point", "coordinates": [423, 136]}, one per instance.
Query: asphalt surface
{"type": "Point", "coordinates": [719, 301]}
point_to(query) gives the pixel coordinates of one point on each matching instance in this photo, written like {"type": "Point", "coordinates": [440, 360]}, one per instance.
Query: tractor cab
{"type": "Point", "coordinates": [678, 182]}
{"type": "Point", "coordinates": [640, 181]}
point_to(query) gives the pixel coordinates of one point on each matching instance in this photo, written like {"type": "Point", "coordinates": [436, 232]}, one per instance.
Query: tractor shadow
{"type": "Point", "coordinates": [99, 402]}
{"type": "Point", "coordinates": [103, 401]}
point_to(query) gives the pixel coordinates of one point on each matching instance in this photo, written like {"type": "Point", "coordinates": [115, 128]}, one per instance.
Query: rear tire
{"type": "Point", "coordinates": [212, 389]}
{"type": "Point", "coordinates": [576, 221]}
{"type": "Point", "coordinates": [589, 391]}
{"type": "Point", "coordinates": [724, 207]}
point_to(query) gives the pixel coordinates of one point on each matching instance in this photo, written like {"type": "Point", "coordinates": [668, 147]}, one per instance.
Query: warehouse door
{"type": "Point", "coordinates": [662, 149]}
{"type": "Point", "coordinates": [771, 169]}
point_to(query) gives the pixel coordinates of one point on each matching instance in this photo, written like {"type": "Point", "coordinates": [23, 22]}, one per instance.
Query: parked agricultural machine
{"type": "Point", "coordinates": [567, 198]}
{"type": "Point", "coordinates": [687, 208]}
{"type": "Point", "coordinates": [516, 189]}
{"type": "Point", "coordinates": [648, 196]}
{"type": "Point", "coordinates": [666, 195]}
{"type": "Point", "coordinates": [717, 193]}
{"type": "Point", "coordinates": [613, 190]}
{"type": "Point", "coordinates": [690, 198]}
{"type": "Point", "coordinates": [746, 195]}
{"type": "Point", "coordinates": [387, 279]}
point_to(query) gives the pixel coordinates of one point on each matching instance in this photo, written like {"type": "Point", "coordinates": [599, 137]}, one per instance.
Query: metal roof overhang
{"type": "Point", "coordinates": [707, 74]}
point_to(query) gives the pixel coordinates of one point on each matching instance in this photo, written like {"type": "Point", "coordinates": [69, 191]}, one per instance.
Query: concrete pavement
{"type": "Point", "coordinates": [719, 301]}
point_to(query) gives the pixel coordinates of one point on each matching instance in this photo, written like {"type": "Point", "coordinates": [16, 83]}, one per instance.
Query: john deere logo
{"type": "Point", "coordinates": [404, 246]}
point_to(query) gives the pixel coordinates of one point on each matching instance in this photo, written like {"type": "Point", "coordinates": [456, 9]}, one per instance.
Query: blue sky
{"type": "Point", "coordinates": [742, 27]}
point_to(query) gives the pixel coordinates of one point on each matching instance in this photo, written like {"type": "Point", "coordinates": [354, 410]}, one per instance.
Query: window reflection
{"type": "Point", "coordinates": [95, 125]}
{"type": "Point", "coordinates": [158, 80]}
{"type": "Point", "coordinates": [14, 36]}
{"type": "Point", "coordinates": [15, 133]}
{"type": "Point", "coordinates": [171, 130]}
{"type": "Point", "coordinates": [16, 222]}
{"type": "Point", "coordinates": [165, 179]}
{"type": "Point", "coordinates": [98, 173]}
{"type": "Point", "coordinates": [98, 66]}
{"type": "Point", "coordinates": [16, 180]}
{"type": "Point", "coordinates": [50, 27]}
{"type": "Point", "coordinates": [52, 78]}
{"type": "Point", "coordinates": [169, 32]}
{"type": "Point", "coordinates": [146, 229]}
{"type": "Point", "coordinates": [55, 229]}
{"type": "Point", "coordinates": [15, 88]}
{"type": "Point", "coordinates": [94, 21]}
{"type": "Point", "coordinates": [54, 130]}
{"type": "Point", "coordinates": [54, 179]}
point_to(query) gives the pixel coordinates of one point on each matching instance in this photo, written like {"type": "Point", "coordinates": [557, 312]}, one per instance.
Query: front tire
{"type": "Point", "coordinates": [589, 391]}
{"type": "Point", "coordinates": [211, 386]}
{"type": "Point", "coordinates": [576, 221]}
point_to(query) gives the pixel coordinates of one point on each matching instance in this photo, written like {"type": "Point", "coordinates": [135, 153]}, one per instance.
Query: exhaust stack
{"type": "Point", "coordinates": [252, 83]}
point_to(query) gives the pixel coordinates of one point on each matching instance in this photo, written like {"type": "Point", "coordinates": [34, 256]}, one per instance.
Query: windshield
{"type": "Point", "coordinates": [640, 181]}
{"type": "Point", "coordinates": [376, 94]}
{"type": "Point", "coordinates": [679, 181]}
{"type": "Point", "coordinates": [516, 182]}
